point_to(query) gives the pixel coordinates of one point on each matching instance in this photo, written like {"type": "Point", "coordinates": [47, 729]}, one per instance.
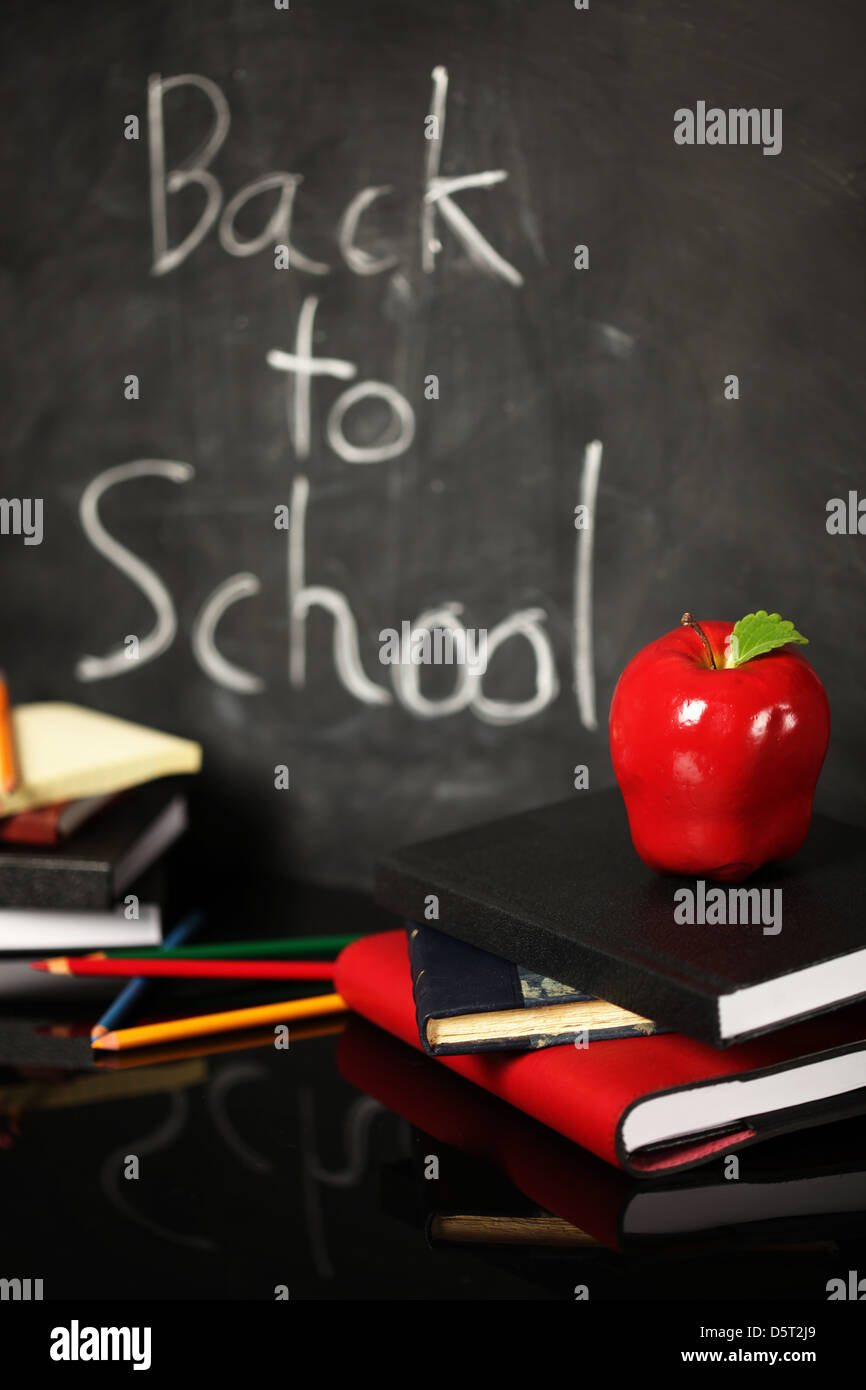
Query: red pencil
{"type": "Point", "coordinates": [152, 966]}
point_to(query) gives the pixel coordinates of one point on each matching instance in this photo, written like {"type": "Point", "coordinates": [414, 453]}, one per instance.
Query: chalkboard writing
{"type": "Point", "coordinates": [302, 367]}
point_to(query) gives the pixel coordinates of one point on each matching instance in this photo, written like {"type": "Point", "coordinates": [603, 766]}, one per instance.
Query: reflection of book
{"type": "Point", "coordinates": [560, 890]}
{"type": "Point", "coordinates": [652, 1105]}
{"type": "Point", "coordinates": [90, 1088]}
{"type": "Point", "coordinates": [795, 1189]}
{"type": "Point", "coordinates": [48, 825]}
{"type": "Point", "coordinates": [468, 1000]}
{"type": "Point", "coordinates": [489, 1228]}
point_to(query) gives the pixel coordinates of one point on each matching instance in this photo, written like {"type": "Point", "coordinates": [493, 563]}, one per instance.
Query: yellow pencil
{"type": "Point", "coordinates": [8, 769]}
{"type": "Point", "coordinates": [233, 1019]}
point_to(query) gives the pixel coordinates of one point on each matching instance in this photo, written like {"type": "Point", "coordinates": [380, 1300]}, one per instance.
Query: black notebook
{"type": "Point", "coordinates": [95, 866]}
{"type": "Point", "coordinates": [468, 1000]}
{"type": "Point", "coordinates": [561, 891]}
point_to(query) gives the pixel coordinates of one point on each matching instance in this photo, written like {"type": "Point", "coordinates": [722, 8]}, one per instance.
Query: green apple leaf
{"type": "Point", "coordinates": [761, 632]}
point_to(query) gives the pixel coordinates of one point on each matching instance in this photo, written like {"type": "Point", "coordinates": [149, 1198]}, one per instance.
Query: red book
{"type": "Point", "coordinates": [48, 825]}
{"type": "Point", "coordinates": [647, 1105]}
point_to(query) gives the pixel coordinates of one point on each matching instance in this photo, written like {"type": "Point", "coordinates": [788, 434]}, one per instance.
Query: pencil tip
{"type": "Point", "coordinates": [107, 1040]}
{"type": "Point", "coordinates": [55, 965]}
{"type": "Point", "coordinates": [97, 1032]}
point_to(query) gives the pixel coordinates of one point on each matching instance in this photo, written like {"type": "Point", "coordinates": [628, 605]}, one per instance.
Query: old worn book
{"type": "Point", "coordinates": [468, 1000]}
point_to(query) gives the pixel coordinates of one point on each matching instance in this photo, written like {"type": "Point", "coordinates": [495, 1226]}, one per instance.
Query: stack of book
{"type": "Point", "coordinates": [542, 961]}
{"type": "Point", "coordinates": [96, 802]}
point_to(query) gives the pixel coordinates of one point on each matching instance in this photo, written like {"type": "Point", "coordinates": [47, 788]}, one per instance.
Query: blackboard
{"type": "Point", "coordinates": [563, 378]}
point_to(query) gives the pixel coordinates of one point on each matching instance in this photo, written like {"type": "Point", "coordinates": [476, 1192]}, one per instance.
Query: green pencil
{"type": "Point", "coordinates": [237, 950]}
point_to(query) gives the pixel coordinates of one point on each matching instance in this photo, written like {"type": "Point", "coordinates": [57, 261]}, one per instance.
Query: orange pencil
{"type": "Point", "coordinates": [230, 1021]}
{"type": "Point", "coordinates": [8, 769]}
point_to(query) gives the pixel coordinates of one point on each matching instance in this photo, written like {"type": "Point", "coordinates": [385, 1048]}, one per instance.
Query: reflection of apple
{"type": "Point", "coordinates": [717, 734]}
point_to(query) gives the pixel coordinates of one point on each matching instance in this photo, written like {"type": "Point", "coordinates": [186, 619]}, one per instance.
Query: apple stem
{"type": "Point", "coordinates": [688, 621]}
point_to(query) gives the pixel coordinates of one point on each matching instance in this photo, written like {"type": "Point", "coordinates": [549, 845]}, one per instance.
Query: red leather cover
{"type": "Point", "coordinates": [585, 1093]}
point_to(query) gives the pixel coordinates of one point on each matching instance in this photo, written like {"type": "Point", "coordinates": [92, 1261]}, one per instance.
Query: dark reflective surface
{"type": "Point", "coordinates": [311, 1168]}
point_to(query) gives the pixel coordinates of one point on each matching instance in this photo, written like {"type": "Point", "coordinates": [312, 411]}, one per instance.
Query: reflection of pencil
{"type": "Point", "coordinates": [64, 1030]}
{"type": "Point", "coordinates": [232, 1020]}
{"type": "Point", "coordinates": [210, 1047]}
{"type": "Point", "coordinates": [8, 770]}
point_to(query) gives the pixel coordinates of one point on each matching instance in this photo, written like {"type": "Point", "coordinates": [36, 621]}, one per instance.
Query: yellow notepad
{"type": "Point", "coordinates": [64, 752]}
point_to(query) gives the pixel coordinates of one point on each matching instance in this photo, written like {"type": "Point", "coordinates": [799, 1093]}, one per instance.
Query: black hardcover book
{"type": "Point", "coordinates": [95, 866]}
{"type": "Point", "coordinates": [468, 1000]}
{"type": "Point", "coordinates": [561, 890]}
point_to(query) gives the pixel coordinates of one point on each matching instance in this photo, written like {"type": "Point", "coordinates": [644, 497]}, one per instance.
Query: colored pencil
{"type": "Point", "coordinates": [8, 766]}
{"type": "Point", "coordinates": [153, 968]}
{"type": "Point", "coordinates": [121, 1007]}
{"type": "Point", "coordinates": [231, 1021]}
{"type": "Point", "coordinates": [146, 968]}
{"type": "Point", "coordinates": [318, 946]}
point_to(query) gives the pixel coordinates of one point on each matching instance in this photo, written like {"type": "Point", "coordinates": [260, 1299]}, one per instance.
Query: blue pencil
{"type": "Point", "coordinates": [121, 1007]}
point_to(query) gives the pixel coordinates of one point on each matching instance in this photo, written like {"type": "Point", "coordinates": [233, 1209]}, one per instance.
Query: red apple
{"type": "Point", "coordinates": [717, 733]}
